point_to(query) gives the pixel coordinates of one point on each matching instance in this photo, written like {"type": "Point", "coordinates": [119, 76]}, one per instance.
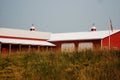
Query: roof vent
{"type": "Point", "coordinates": [32, 28]}
{"type": "Point", "coordinates": [93, 28]}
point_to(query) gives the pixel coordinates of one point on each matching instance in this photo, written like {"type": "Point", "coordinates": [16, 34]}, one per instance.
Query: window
{"type": "Point", "coordinates": [68, 47]}
{"type": "Point", "coordinates": [85, 45]}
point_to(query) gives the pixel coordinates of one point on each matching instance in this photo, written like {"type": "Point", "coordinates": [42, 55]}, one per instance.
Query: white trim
{"type": "Point", "coordinates": [25, 42]}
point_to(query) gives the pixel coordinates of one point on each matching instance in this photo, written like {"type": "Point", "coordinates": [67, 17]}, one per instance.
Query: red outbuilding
{"type": "Point", "coordinates": [17, 40]}
{"type": "Point", "coordinates": [86, 40]}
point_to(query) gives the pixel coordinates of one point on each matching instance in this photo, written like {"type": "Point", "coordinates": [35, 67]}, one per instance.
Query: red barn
{"type": "Point", "coordinates": [16, 40]}
{"type": "Point", "coordinates": [86, 40]}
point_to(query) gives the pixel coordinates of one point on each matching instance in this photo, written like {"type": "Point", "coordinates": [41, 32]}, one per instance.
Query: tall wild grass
{"type": "Point", "coordinates": [84, 65]}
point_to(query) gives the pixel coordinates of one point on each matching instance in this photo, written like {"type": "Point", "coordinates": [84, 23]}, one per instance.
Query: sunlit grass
{"type": "Point", "coordinates": [84, 65]}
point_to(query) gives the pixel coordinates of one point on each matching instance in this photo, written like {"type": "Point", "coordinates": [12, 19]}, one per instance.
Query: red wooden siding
{"type": "Point", "coordinates": [114, 41]}
{"type": "Point", "coordinates": [24, 48]}
{"type": "Point", "coordinates": [96, 43]}
{"type": "Point", "coordinates": [12, 37]}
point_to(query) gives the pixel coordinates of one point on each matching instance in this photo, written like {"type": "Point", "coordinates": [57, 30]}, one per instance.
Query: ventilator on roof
{"type": "Point", "coordinates": [32, 28]}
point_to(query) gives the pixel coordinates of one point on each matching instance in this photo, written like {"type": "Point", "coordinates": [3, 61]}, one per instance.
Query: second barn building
{"type": "Point", "coordinates": [93, 39]}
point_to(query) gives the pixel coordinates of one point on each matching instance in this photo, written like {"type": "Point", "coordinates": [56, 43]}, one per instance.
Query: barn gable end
{"type": "Point", "coordinates": [114, 41]}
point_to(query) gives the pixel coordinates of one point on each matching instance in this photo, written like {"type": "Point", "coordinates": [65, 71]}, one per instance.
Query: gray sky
{"type": "Point", "coordinates": [59, 15]}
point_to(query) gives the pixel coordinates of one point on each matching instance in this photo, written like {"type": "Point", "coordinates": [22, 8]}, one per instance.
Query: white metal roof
{"type": "Point", "coordinates": [25, 42]}
{"type": "Point", "coordinates": [81, 35]}
{"type": "Point", "coordinates": [24, 33]}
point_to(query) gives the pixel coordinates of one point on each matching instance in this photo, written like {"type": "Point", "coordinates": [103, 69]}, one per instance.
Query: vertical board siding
{"type": "Point", "coordinates": [114, 41]}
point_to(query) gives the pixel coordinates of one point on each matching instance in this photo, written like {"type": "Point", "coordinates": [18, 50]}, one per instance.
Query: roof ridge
{"type": "Point", "coordinates": [84, 32]}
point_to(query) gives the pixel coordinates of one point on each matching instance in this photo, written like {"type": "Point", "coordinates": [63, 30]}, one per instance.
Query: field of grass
{"type": "Point", "coordinates": [84, 65]}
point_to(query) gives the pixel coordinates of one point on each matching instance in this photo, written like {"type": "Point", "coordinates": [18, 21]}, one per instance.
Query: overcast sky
{"type": "Point", "coordinates": [59, 15]}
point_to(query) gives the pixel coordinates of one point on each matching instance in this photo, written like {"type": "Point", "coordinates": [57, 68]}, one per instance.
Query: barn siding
{"type": "Point", "coordinates": [114, 41]}
{"type": "Point", "coordinates": [14, 48]}
{"type": "Point", "coordinates": [96, 44]}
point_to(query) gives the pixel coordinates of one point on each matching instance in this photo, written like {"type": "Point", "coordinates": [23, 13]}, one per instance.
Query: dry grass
{"type": "Point", "coordinates": [84, 65]}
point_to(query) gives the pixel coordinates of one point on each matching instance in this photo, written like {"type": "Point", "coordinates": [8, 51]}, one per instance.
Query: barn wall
{"type": "Point", "coordinates": [96, 43]}
{"type": "Point", "coordinates": [114, 41]}
{"type": "Point", "coordinates": [17, 48]}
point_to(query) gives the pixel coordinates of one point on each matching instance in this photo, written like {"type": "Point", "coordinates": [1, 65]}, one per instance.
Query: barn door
{"type": "Point", "coordinates": [67, 47]}
{"type": "Point", "coordinates": [85, 45]}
